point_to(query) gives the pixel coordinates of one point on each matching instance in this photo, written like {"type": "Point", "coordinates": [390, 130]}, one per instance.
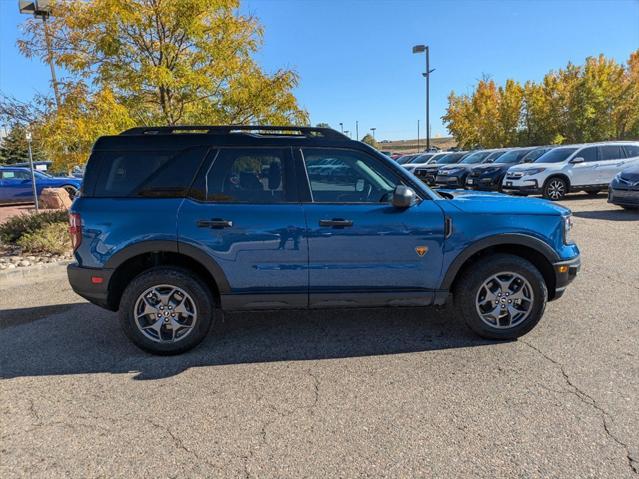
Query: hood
{"type": "Point", "coordinates": [481, 202]}
{"type": "Point", "coordinates": [630, 174]}
{"type": "Point", "coordinates": [534, 165]}
{"type": "Point", "coordinates": [457, 166]}
{"type": "Point", "coordinates": [491, 166]}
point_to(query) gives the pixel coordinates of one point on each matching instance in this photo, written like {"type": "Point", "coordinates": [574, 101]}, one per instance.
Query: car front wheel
{"type": "Point", "coordinates": [501, 296]}
{"type": "Point", "coordinates": [555, 189]}
{"type": "Point", "coordinates": [166, 310]}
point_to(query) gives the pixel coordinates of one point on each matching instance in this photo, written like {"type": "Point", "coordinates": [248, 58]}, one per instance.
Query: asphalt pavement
{"type": "Point", "coordinates": [357, 393]}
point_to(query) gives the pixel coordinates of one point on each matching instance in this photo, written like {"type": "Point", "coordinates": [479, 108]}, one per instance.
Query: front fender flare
{"type": "Point", "coordinates": [497, 240]}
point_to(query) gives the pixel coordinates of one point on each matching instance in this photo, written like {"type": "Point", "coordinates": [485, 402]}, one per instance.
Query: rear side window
{"type": "Point", "coordinates": [631, 150]}
{"type": "Point", "coordinates": [588, 154]}
{"type": "Point", "coordinates": [246, 175]}
{"type": "Point", "coordinates": [611, 152]}
{"type": "Point", "coordinates": [144, 174]}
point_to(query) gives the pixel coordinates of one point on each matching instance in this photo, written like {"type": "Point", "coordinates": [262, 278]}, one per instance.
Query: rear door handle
{"type": "Point", "coordinates": [336, 223]}
{"type": "Point", "coordinates": [217, 223]}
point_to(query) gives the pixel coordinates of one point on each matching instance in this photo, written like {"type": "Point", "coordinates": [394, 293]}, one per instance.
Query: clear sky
{"type": "Point", "coordinates": [355, 62]}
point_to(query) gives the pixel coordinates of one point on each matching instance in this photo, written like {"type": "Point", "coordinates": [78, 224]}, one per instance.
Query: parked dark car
{"type": "Point", "coordinates": [454, 176]}
{"type": "Point", "coordinates": [405, 159]}
{"type": "Point", "coordinates": [16, 187]}
{"type": "Point", "coordinates": [428, 173]}
{"type": "Point", "coordinates": [624, 189]}
{"type": "Point", "coordinates": [488, 176]}
{"type": "Point", "coordinates": [173, 227]}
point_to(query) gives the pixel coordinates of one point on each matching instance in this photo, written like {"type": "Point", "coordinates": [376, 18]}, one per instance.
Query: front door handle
{"type": "Point", "coordinates": [336, 223]}
{"type": "Point", "coordinates": [217, 223]}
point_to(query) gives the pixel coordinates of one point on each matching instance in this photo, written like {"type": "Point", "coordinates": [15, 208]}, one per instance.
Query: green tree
{"type": "Point", "coordinates": [14, 147]}
{"type": "Point", "coordinates": [322, 125]}
{"type": "Point", "coordinates": [369, 140]}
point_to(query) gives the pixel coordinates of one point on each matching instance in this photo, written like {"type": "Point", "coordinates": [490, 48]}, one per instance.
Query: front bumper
{"type": "Point", "coordinates": [450, 181]}
{"type": "Point", "coordinates": [623, 197]}
{"type": "Point", "coordinates": [485, 183]}
{"type": "Point", "coordinates": [91, 283]}
{"type": "Point", "coordinates": [565, 273]}
{"type": "Point", "coordinates": [521, 186]}
{"type": "Point", "coordinates": [427, 176]}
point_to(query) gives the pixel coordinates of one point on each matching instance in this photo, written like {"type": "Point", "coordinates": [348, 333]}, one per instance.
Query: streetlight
{"type": "Point", "coordinates": [347, 133]}
{"type": "Point", "coordinates": [373, 130]}
{"type": "Point", "coordinates": [424, 49]}
{"type": "Point", "coordinates": [42, 9]}
{"type": "Point", "coordinates": [357, 130]}
{"type": "Point", "coordinates": [341, 125]}
{"type": "Point", "coordinates": [33, 182]}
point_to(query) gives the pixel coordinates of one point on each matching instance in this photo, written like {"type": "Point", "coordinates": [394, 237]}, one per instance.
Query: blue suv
{"type": "Point", "coordinates": [16, 185]}
{"type": "Point", "coordinates": [176, 224]}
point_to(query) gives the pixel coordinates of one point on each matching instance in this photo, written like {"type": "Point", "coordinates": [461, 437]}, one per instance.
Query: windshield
{"type": "Point", "coordinates": [405, 159]}
{"type": "Point", "coordinates": [555, 156]}
{"type": "Point", "coordinates": [450, 158]}
{"type": "Point", "coordinates": [476, 157]}
{"type": "Point", "coordinates": [512, 156]}
{"type": "Point", "coordinates": [494, 155]}
{"type": "Point", "coordinates": [421, 158]}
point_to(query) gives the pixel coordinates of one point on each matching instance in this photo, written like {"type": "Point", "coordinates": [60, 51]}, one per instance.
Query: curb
{"type": "Point", "coordinates": [30, 274]}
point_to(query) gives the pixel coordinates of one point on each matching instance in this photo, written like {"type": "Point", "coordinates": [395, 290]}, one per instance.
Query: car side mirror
{"type": "Point", "coordinates": [578, 159]}
{"type": "Point", "coordinates": [403, 197]}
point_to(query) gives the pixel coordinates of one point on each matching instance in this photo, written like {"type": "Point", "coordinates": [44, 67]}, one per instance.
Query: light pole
{"type": "Point", "coordinates": [347, 133]}
{"type": "Point", "coordinates": [42, 9]}
{"type": "Point", "coordinates": [424, 49]}
{"type": "Point", "coordinates": [373, 130]}
{"type": "Point", "coordinates": [341, 125]}
{"type": "Point", "coordinates": [357, 130]}
{"type": "Point", "coordinates": [33, 182]}
{"type": "Point", "coordinates": [417, 136]}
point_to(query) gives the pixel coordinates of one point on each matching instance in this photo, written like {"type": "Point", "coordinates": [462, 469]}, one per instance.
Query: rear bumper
{"type": "Point", "coordinates": [565, 273]}
{"type": "Point", "coordinates": [448, 181]}
{"type": "Point", "coordinates": [84, 282]}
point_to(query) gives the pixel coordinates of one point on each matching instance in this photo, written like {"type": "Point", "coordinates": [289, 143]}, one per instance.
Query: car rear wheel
{"type": "Point", "coordinates": [166, 310]}
{"type": "Point", "coordinates": [555, 189]}
{"type": "Point", "coordinates": [72, 190]}
{"type": "Point", "coordinates": [501, 296]}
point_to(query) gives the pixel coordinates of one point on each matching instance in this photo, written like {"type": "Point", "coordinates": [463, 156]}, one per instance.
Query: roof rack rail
{"type": "Point", "coordinates": [256, 130]}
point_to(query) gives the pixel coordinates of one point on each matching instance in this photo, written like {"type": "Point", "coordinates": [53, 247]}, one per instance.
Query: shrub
{"type": "Point", "coordinates": [51, 238]}
{"type": "Point", "coordinates": [17, 226]}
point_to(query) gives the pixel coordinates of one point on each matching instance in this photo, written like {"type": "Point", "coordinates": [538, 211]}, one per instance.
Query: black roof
{"type": "Point", "coordinates": [184, 136]}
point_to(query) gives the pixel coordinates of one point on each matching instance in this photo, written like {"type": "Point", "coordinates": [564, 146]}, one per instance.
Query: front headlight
{"type": "Point", "coordinates": [533, 171]}
{"type": "Point", "coordinates": [568, 224]}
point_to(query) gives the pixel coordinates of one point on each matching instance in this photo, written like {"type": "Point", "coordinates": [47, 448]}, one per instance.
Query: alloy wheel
{"type": "Point", "coordinates": [165, 313]}
{"type": "Point", "coordinates": [504, 300]}
{"type": "Point", "coordinates": [556, 189]}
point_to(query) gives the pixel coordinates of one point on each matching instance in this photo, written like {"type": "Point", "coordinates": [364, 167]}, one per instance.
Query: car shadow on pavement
{"type": "Point", "coordinates": [86, 339]}
{"type": "Point", "coordinates": [617, 214]}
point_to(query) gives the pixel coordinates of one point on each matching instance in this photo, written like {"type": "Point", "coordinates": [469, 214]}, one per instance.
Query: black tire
{"type": "Point", "coordinates": [468, 287]}
{"type": "Point", "coordinates": [555, 188]}
{"type": "Point", "coordinates": [72, 190]}
{"type": "Point", "coordinates": [178, 277]}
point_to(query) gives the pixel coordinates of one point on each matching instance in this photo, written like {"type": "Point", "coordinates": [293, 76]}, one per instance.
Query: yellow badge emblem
{"type": "Point", "coordinates": [421, 250]}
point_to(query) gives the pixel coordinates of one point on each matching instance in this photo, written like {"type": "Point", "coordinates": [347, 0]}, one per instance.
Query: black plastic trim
{"type": "Point", "coordinates": [497, 240]}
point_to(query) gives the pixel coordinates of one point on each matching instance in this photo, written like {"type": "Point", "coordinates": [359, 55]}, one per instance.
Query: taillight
{"type": "Point", "coordinates": [75, 229]}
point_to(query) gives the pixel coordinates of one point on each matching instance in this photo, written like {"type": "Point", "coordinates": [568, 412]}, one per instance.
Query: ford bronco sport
{"type": "Point", "coordinates": [176, 224]}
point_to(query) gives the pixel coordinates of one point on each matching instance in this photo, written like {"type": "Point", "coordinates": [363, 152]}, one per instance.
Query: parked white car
{"type": "Point", "coordinates": [586, 167]}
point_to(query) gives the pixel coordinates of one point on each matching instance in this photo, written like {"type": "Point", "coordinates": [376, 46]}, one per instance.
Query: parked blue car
{"type": "Point", "coordinates": [16, 187]}
{"type": "Point", "coordinates": [175, 224]}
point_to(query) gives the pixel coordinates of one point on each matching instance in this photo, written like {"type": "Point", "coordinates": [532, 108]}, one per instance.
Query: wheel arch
{"type": "Point", "coordinates": [561, 175]}
{"type": "Point", "coordinates": [134, 259]}
{"type": "Point", "coordinates": [530, 248]}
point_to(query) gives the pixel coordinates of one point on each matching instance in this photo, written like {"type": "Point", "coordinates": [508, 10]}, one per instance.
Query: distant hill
{"type": "Point", "coordinates": [410, 146]}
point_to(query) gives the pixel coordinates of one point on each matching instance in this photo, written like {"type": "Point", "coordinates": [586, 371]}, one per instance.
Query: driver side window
{"type": "Point", "coordinates": [348, 176]}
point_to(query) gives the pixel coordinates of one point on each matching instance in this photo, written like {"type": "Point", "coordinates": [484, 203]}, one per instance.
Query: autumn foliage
{"type": "Point", "coordinates": [593, 102]}
{"type": "Point", "coordinates": [153, 62]}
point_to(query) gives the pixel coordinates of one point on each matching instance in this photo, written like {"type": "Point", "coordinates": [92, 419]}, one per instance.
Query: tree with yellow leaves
{"type": "Point", "coordinates": [156, 62]}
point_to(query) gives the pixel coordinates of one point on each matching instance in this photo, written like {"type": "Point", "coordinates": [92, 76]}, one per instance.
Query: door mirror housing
{"type": "Point", "coordinates": [403, 197]}
{"type": "Point", "coordinates": [577, 159]}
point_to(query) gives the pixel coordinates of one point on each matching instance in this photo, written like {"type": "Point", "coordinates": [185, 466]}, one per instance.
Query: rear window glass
{"type": "Point", "coordinates": [631, 150]}
{"type": "Point", "coordinates": [145, 174]}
